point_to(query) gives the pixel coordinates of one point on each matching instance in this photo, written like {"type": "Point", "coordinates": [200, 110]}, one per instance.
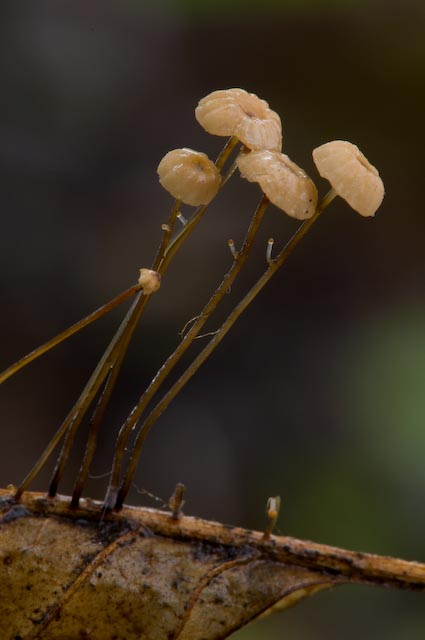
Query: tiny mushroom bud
{"type": "Point", "coordinates": [150, 281]}
{"type": "Point", "coordinates": [235, 112]}
{"type": "Point", "coordinates": [272, 511]}
{"type": "Point", "coordinates": [190, 176]}
{"type": "Point", "coordinates": [282, 181]}
{"type": "Point", "coordinates": [351, 175]}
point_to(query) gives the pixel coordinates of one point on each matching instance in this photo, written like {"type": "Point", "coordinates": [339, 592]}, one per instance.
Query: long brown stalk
{"type": "Point", "coordinates": [218, 336]}
{"type": "Point", "coordinates": [239, 260]}
{"type": "Point", "coordinates": [113, 357]}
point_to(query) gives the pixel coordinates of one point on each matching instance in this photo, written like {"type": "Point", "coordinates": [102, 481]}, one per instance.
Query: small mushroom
{"type": "Point", "coordinates": [235, 112]}
{"type": "Point", "coordinates": [150, 281]}
{"type": "Point", "coordinates": [190, 176]}
{"type": "Point", "coordinates": [283, 182]}
{"type": "Point", "coordinates": [351, 175]}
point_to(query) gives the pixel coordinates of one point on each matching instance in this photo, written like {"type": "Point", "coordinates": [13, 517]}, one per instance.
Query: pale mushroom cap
{"type": "Point", "coordinates": [190, 176]}
{"type": "Point", "coordinates": [351, 175]}
{"type": "Point", "coordinates": [284, 183]}
{"type": "Point", "coordinates": [150, 281]}
{"type": "Point", "coordinates": [235, 112]}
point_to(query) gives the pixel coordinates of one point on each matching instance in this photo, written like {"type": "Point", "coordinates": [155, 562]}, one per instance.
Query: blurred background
{"type": "Point", "coordinates": [318, 392]}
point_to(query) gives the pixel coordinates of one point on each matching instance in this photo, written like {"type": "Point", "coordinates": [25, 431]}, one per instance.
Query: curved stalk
{"type": "Point", "coordinates": [116, 350]}
{"type": "Point", "coordinates": [110, 369]}
{"type": "Point", "coordinates": [162, 405]}
{"type": "Point", "coordinates": [166, 252]}
{"type": "Point", "coordinates": [86, 398]}
{"type": "Point", "coordinates": [67, 333]}
{"type": "Point", "coordinates": [73, 420]}
{"type": "Point", "coordinates": [167, 367]}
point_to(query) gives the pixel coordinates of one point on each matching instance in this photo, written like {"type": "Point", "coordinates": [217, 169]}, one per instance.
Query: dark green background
{"type": "Point", "coordinates": [318, 393]}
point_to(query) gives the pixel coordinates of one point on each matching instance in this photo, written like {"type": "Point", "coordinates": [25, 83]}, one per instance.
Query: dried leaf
{"type": "Point", "coordinates": [80, 573]}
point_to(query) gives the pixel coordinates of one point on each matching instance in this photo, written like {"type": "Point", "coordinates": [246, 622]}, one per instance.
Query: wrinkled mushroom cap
{"type": "Point", "coordinates": [190, 176]}
{"type": "Point", "coordinates": [351, 175]}
{"type": "Point", "coordinates": [283, 182]}
{"type": "Point", "coordinates": [150, 281]}
{"type": "Point", "coordinates": [235, 112]}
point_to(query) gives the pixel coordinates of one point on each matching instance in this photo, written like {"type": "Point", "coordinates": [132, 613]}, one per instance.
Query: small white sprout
{"type": "Point", "coordinates": [231, 245]}
{"type": "Point", "coordinates": [283, 182]}
{"type": "Point", "coordinates": [190, 176]}
{"type": "Point", "coordinates": [351, 175]}
{"type": "Point", "coordinates": [150, 281]}
{"type": "Point", "coordinates": [182, 219]}
{"type": "Point", "coordinates": [235, 112]}
{"type": "Point", "coordinates": [176, 501]}
{"type": "Point", "coordinates": [272, 512]}
{"type": "Point", "coordinates": [269, 250]}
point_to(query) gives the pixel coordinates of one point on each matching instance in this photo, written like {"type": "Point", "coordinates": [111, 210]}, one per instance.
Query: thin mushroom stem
{"type": "Point", "coordinates": [67, 333]}
{"type": "Point", "coordinates": [77, 412]}
{"type": "Point", "coordinates": [96, 421]}
{"type": "Point", "coordinates": [224, 154]}
{"type": "Point", "coordinates": [117, 356]}
{"type": "Point", "coordinates": [213, 343]}
{"type": "Point", "coordinates": [229, 174]}
{"type": "Point", "coordinates": [75, 416]}
{"type": "Point", "coordinates": [166, 236]}
{"type": "Point", "coordinates": [97, 418]}
{"type": "Point", "coordinates": [167, 249]}
{"type": "Point", "coordinates": [72, 422]}
{"type": "Point", "coordinates": [239, 260]}
{"type": "Point", "coordinates": [166, 252]}
{"type": "Point", "coordinates": [94, 426]}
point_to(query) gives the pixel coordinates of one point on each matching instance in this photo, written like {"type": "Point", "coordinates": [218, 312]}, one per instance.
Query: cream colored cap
{"type": "Point", "coordinates": [351, 175]}
{"type": "Point", "coordinates": [283, 182]}
{"type": "Point", "coordinates": [235, 112]}
{"type": "Point", "coordinates": [190, 176]}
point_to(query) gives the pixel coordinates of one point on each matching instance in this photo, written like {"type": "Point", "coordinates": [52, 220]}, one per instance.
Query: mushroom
{"type": "Point", "coordinates": [150, 281]}
{"type": "Point", "coordinates": [235, 112]}
{"type": "Point", "coordinates": [351, 175]}
{"type": "Point", "coordinates": [190, 176]}
{"type": "Point", "coordinates": [283, 182]}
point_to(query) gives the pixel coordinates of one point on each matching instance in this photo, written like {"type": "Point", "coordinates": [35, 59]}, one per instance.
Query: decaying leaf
{"type": "Point", "coordinates": [140, 573]}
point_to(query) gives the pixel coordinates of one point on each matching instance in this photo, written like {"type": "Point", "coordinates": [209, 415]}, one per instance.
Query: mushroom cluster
{"type": "Point", "coordinates": [192, 178]}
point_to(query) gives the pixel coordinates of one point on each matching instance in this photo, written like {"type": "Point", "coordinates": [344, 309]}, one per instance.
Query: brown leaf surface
{"type": "Point", "coordinates": [139, 573]}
